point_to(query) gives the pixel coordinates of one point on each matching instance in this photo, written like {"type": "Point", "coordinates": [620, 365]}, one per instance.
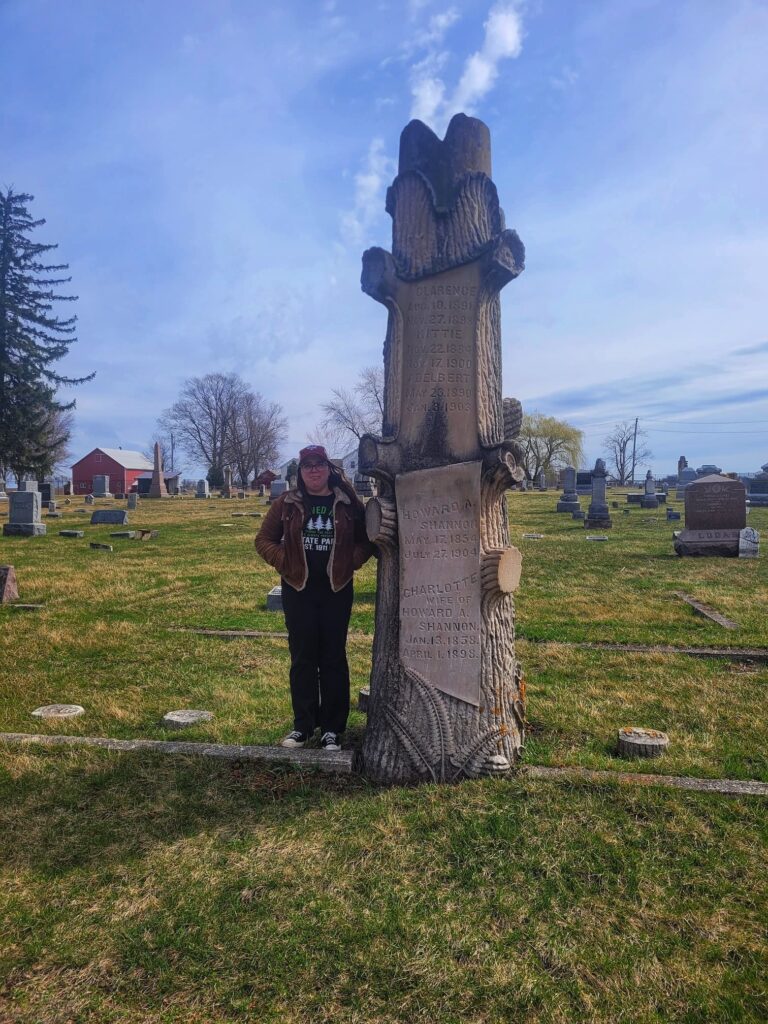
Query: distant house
{"type": "Point", "coordinates": [122, 467]}
{"type": "Point", "coordinates": [348, 463]}
{"type": "Point", "coordinates": [171, 477]}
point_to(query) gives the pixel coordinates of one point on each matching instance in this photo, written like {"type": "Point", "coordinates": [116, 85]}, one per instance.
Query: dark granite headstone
{"type": "Point", "coordinates": [47, 491]}
{"type": "Point", "coordinates": [715, 512]}
{"type": "Point", "coordinates": [715, 502]}
{"type": "Point", "coordinates": [109, 517]}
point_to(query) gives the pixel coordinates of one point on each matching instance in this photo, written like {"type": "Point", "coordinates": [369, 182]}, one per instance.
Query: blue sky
{"type": "Point", "coordinates": [212, 172]}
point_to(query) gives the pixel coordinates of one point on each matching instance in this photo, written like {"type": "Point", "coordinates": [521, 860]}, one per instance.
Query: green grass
{"type": "Point", "coordinates": [137, 888]}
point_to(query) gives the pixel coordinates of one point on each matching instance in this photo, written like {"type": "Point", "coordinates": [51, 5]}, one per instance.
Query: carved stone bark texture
{"type": "Point", "coordinates": [443, 405]}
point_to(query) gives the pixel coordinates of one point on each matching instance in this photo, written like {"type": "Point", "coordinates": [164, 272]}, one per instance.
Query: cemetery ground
{"type": "Point", "coordinates": [140, 887]}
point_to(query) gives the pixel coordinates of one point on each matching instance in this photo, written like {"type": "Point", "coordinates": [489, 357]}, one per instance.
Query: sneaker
{"type": "Point", "coordinates": [295, 739]}
{"type": "Point", "coordinates": [330, 741]}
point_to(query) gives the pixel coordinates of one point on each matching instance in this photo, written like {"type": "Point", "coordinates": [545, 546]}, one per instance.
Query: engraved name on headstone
{"type": "Point", "coordinates": [439, 373]}
{"type": "Point", "coordinates": [440, 588]}
{"type": "Point", "coordinates": [715, 502]}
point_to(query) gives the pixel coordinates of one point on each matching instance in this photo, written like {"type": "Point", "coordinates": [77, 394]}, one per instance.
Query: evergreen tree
{"type": "Point", "coordinates": [32, 338]}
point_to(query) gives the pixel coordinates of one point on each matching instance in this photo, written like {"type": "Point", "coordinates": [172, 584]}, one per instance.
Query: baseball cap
{"type": "Point", "coordinates": [313, 451]}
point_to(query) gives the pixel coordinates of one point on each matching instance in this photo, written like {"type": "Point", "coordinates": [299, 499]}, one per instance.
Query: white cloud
{"type": "Point", "coordinates": [370, 183]}
{"type": "Point", "coordinates": [415, 7]}
{"type": "Point", "coordinates": [503, 40]}
{"type": "Point", "coordinates": [567, 78]}
{"type": "Point", "coordinates": [427, 88]}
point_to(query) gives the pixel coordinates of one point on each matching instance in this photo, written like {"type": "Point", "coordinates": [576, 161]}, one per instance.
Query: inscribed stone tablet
{"type": "Point", "coordinates": [440, 588]}
{"type": "Point", "coordinates": [715, 503]}
{"type": "Point", "coordinates": [439, 405]}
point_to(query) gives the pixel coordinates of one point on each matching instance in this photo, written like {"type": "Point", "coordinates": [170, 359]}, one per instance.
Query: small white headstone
{"type": "Point", "coordinates": [59, 711]}
{"type": "Point", "coordinates": [749, 543]}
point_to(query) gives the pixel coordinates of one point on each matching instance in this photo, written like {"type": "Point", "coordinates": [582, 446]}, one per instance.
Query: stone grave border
{"type": "Point", "coordinates": [342, 762]}
{"type": "Point", "coordinates": [729, 653]}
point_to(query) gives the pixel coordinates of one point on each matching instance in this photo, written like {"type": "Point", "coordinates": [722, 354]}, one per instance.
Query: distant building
{"type": "Point", "coordinates": [265, 479]}
{"type": "Point", "coordinates": [348, 463]}
{"type": "Point", "coordinates": [171, 477]}
{"type": "Point", "coordinates": [122, 467]}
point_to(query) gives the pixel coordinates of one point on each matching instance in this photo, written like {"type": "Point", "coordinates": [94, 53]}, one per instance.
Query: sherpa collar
{"type": "Point", "coordinates": [293, 497]}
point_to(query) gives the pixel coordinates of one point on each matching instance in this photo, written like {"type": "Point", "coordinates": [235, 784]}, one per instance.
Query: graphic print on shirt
{"type": "Point", "coordinates": [318, 530]}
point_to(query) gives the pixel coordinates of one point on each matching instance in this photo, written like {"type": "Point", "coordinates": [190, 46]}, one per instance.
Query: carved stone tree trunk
{"type": "Point", "coordinates": [446, 693]}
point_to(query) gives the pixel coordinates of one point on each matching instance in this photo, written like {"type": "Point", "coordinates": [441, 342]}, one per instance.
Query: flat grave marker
{"type": "Point", "coordinates": [59, 711]}
{"type": "Point", "coordinates": [185, 717]}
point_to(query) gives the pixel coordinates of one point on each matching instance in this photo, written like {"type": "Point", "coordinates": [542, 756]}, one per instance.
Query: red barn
{"type": "Point", "coordinates": [122, 467]}
{"type": "Point", "coordinates": [264, 478]}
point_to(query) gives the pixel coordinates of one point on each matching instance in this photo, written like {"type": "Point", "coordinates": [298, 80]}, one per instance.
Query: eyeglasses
{"type": "Point", "coordinates": [313, 465]}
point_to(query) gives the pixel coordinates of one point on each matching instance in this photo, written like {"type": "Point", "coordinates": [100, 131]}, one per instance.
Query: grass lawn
{"type": "Point", "coordinates": [143, 889]}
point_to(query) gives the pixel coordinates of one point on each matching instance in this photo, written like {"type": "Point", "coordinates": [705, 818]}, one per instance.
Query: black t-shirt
{"type": "Point", "coordinates": [318, 537]}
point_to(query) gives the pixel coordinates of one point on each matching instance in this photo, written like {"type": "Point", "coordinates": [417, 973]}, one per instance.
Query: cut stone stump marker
{"type": "Point", "coordinates": [635, 742]}
{"type": "Point", "coordinates": [59, 711]}
{"type": "Point", "coordinates": [446, 692]}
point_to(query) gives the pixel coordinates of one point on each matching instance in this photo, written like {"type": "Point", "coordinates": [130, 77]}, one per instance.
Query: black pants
{"type": "Point", "coordinates": [317, 621]}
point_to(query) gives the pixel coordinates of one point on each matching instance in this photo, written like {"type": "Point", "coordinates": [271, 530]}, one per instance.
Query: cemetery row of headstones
{"type": "Point", "coordinates": [715, 511]}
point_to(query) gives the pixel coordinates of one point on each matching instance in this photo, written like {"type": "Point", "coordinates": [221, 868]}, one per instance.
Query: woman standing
{"type": "Point", "coordinates": [315, 537]}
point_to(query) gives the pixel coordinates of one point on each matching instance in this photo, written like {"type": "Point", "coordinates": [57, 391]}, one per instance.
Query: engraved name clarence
{"type": "Point", "coordinates": [440, 588]}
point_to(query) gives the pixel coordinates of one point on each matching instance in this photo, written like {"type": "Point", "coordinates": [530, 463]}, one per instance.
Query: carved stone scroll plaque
{"type": "Point", "coordinates": [440, 587]}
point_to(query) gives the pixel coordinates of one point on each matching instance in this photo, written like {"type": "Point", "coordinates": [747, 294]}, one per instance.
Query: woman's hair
{"type": "Point", "coordinates": [336, 478]}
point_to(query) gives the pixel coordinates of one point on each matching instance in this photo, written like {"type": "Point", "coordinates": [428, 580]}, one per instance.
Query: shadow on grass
{"type": "Point", "coordinates": [95, 808]}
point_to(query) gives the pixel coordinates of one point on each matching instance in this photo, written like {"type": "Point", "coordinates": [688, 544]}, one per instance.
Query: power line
{"type": "Point", "coordinates": [726, 423]}
{"type": "Point", "coordinates": [698, 430]}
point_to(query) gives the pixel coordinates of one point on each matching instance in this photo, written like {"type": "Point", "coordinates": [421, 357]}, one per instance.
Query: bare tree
{"type": "Point", "coordinates": [621, 444]}
{"type": "Point", "coordinates": [204, 417]}
{"type": "Point", "coordinates": [548, 444]}
{"type": "Point", "coordinates": [351, 413]}
{"type": "Point", "coordinates": [257, 433]}
{"type": "Point", "coordinates": [167, 434]}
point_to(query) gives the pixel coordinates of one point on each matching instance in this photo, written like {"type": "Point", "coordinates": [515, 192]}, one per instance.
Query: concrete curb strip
{"type": "Point", "coordinates": [340, 762]}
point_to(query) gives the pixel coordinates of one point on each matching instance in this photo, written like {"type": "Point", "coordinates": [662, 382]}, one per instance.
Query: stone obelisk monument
{"type": "Point", "coordinates": [446, 693]}
{"type": "Point", "coordinates": [157, 488]}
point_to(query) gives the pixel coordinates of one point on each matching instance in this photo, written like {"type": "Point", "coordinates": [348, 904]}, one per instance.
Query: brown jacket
{"type": "Point", "coordinates": [281, 544]}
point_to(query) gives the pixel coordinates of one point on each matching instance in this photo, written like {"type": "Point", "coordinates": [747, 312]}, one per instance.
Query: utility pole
{"type": "Point", "coordinates": [634, 446]}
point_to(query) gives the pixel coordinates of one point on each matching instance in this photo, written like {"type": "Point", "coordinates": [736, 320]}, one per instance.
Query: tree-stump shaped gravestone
{"type": "Point", "coordinates": [446, 694]}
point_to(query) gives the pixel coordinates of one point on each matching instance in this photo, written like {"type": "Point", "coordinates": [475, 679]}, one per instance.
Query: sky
{"type": "Point", "coordinates": [212, 171]}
